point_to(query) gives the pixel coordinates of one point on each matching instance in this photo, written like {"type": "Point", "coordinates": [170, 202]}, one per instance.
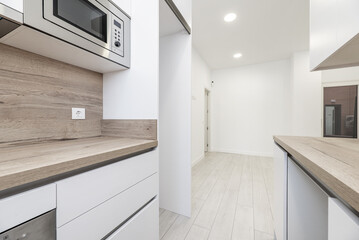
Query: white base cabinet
{"type": "Point", "coordinates": [307, 207]}
{"type": "Point", "coordinates": [18, 5]}
{"type": "Point", "coordinates": [141, 226]}
{"type": "Point", "coordinates": [24, 206]}
{"type": "Point", "coordinates": [101, 220]}
{"type": "Point", "coordinates": [78, 194]}
{"type": "Point", "coordinates": [342, 223]}
{"type": "Point", "coordinates": [280, 192]}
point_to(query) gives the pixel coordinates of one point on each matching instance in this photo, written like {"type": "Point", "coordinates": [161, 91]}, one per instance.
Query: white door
{"type": "Point", "coordinates": [206, 120]}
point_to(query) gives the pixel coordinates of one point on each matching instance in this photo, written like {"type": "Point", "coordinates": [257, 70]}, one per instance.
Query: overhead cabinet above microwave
{"type": "Point", "coordinates": [93, 34]}
{"type": "Point", "coordinates": [334, 34]}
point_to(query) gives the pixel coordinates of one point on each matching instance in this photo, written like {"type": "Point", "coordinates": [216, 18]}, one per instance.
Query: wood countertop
{"type": "Point", "coordinates": [25, 163]}
{"type": "Point", "coordinates": [333, 161]}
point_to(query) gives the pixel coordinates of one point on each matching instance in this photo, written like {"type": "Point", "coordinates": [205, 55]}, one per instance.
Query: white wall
{"type": "Point", "coordinates": [201, 80]}
{"type": "Point", "coordinates": [175, 123]}
{"type": "Point", "coordinates": [247, 106]}
{"type": "Point", "coordinates": [133, 94]}
{"type": "Point", "coordinates": [306, 97]}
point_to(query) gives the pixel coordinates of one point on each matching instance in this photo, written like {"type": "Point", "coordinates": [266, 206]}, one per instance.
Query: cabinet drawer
{"type": "Point", "coordinates": [146, 221]}
{"type": "Point", "coordinates": [342, 223]}
{"type": "Point", "coordinates": [101, 220]}
{"type": "Point", "coordinates": [22, 207]}
{"type": "Point", "coordinates": [78, 194]}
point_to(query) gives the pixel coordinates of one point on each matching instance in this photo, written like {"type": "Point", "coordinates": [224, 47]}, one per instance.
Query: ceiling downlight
{"type": "Point", "coordinates": [230, 17]}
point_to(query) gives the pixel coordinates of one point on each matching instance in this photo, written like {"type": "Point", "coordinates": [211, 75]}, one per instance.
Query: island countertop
{"type": "Point", "coordinates": [25, 163]}
{"type": "Point", "coordinates": [332, 161]}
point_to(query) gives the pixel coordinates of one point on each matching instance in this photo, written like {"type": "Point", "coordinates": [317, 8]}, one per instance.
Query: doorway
{"type": "Point", "coordinates": [206, 121]}
{"type": "Point", "coordinates": [340, 111]}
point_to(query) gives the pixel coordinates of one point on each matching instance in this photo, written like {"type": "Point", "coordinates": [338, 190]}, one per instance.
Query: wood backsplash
{"type": "Point", "coordinates": [37, 94]}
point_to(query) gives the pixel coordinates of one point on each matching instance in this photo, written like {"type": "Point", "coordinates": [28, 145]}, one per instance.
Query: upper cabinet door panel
{"type": "Point", "coordinates": [348, 20]}
{"type": "Point", "coordinates": [334, 38]}
{"type": "Point", "coordinates": [125, 5]}
{"type": "Point", "coordinates": [323, 26]}
{"type": "Point", "coordinates": [185, 7]}
{"type": "Point", "coordinates": [15, 4]}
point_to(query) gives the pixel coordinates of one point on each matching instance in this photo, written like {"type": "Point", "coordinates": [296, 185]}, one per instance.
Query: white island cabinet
{"type": "Point", "coordinates": [342, 223]}
{"type": "Point", "coordinates": [280, 192]}
{"type": "Point", "coordinates": [304, 206]}
{"type": "Point", "coordinates": [307, 206]}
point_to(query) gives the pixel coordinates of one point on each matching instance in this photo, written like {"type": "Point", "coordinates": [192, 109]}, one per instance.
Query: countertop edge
{"type": "Point", "coordinates": [36, 177]}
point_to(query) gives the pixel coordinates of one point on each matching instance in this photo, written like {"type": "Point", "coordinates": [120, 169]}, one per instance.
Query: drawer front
{"type": "Point", "coordinates": [98, 222]}
{"type": "Point", "coordinates": [78, 194]}
{"type": "Point", "coordinates": [22, 207]}
{"type": "Point", "coordinates": [146, 221]}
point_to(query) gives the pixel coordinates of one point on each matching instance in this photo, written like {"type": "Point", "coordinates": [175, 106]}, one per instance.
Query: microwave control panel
{"type": "Point", "coordinates": [117, 36]}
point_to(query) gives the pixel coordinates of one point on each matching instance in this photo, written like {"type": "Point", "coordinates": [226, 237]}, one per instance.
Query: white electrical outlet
{"type": "Point", "coordinates": [78, 113]}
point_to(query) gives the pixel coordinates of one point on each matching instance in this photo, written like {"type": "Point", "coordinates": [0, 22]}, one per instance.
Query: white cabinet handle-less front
{"type": "Point", "coordinates": [280, 192]}
{"type": "Point", "coordinates": [342, 223]}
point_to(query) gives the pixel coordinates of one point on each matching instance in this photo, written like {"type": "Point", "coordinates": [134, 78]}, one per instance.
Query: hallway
{"type": "Point", "coordinates": [231, 199]}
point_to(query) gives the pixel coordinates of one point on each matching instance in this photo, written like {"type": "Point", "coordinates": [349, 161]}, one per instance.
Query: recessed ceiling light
{"type": "Point", "coordinates": [230, 17]}
{"type": "Point", "coordinates": [237, 55]}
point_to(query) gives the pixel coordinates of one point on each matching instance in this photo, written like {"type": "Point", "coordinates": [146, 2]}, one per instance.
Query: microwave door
{"type": "Point", "coordinates": [86, 18]}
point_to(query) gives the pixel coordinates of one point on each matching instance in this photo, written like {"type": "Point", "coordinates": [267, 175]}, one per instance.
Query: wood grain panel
{"type": "Point", "coordinates": [332, 161]}
{"type": "Point", "coordinates": [37, 94]}
{"type": "Point", "coordinates": [142, 129]}
{"type": "Point", "coordinates": [26, 163]}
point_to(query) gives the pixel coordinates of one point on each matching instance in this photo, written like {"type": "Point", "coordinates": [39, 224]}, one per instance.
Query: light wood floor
{"type": "Point", "coordinates": [231, 199]}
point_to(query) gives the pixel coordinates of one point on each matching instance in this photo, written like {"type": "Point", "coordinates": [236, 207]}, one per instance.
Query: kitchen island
{"type": "Point", "coordinates": [317, 187]}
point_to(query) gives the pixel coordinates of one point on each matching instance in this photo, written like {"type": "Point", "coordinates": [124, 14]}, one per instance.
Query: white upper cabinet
{"type": "Point", "coordinates": [125, 5]}
{"type": "Point", "coordinates": [334, 34]}
{"type": "Point", "coordinates": [185, 7]}
{"type": "Point", "coordinates": [15, 4]}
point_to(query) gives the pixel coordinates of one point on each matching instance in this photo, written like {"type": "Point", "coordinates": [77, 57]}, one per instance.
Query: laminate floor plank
{"type": "Point", "coordinates": [231, 199]}
{"type": "Point", "coordinates": [197, 233]}
{"type": "Point", "coordinates": [263, 219]}
{"type": "Point", "coordinates": [245, 196]}
{"type": "Point", "coordinates": [210, 208]}
{"type": "Point", "coordinates": [243, 228]}
{"type": "Point", "coordinates": [223, 224]}
{"type": "Point", "coordinates": [263, 236]}
{"type": "Point", "coordinates": [182, 225]}
{"type": "Point", "coordinates": [167, 219]}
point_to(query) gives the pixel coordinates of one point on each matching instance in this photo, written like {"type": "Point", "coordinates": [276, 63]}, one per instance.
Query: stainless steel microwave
{"type": "Point", "coordinates": [96, 26]}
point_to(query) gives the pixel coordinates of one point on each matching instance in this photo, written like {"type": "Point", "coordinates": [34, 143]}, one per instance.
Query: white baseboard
{"type": "Point", "coordinates": [197, 160]}
{"type": "Point", "coordinates": [243, 152]}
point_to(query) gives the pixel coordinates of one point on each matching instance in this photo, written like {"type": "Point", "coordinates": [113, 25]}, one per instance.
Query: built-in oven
{"type": "Point", "coordinates": [40, 228]}
{"type": "Point", "coordinates": [97, 26]}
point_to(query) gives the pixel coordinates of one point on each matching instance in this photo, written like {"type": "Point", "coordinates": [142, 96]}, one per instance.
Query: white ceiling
{"type": "Point", "coordinates": [265, 30]}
